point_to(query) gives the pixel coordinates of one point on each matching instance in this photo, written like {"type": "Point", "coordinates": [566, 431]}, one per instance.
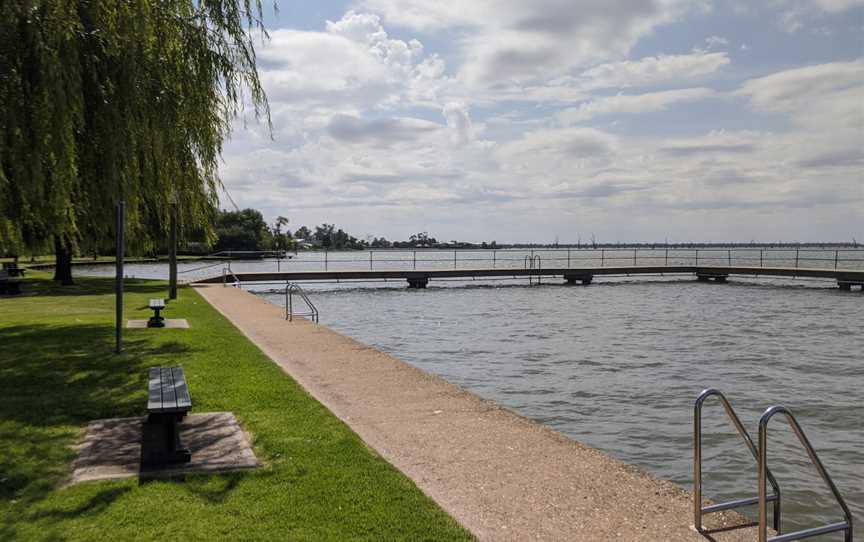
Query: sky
{"type": "Point", "coordinates": [531, 121]}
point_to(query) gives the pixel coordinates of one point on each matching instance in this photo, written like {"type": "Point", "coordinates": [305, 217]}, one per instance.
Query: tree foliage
{"type": "Point", "coordinates": [242, 230]}
{"type": "Point", "coordinates": [102, 100]}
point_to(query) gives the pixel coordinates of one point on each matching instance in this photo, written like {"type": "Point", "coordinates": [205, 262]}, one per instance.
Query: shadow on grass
{"type": "Point", "coordinates": [212, 488]}
{"type": "Point", "coordinates": [93, 505]}
{"type": "Point", "coordinates": [53, 380]}
{"type": "Point", "coordinates": [86, 286]}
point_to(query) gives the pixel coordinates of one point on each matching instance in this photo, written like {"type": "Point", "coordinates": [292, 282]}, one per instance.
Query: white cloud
{"type": "Point", "coordinates": [798, 89]}
{"type": "Point", "coordinates": [459, 122]}
{"type": "Point", "coordinates": [654, 70]}
{"type": "Point", "coordinates": [634, 103]}
{"type": "Point", "coordinates": [514, 42]}
{"type": "Point", "coordinates": [716, 41]}
{"type": "Point", "coordinates": [796, 14]}
{"type": "Point", "coordinates": [837, 6]}
{"type": "Point", "coordinates": [353, 66]}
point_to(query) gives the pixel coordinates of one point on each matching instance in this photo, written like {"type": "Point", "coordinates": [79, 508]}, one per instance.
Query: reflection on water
{"type": "Point", "coordinates": [618, 364]}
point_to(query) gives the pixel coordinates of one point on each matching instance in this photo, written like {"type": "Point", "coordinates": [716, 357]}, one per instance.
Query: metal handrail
{"type": "Point", "coordinates": [531, 262]}
{"type": "Point", "coordinates": [227, 271]}
{"type": "Point", "coordinates": [759, 257]}
{"type": "Point", "coordinates": [698, 509]}
{"type": "Point", "coordinates": [814, 458]}
{"type": "Point", "coordinates": [208, 266]}
{"type": "Point", "coordinates": [290, 290]}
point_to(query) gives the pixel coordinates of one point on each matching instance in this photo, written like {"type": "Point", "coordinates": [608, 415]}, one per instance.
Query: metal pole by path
{"type": "Point", "coordinates": [118, 276]}
{"type": "Point", "coordinates": [172, 255]}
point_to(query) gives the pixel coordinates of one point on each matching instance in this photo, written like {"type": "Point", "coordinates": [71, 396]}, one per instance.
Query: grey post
{"type": "Point", "coordinates": [118, 274]}
{"type": "Point", "coordinates": [172, 255]}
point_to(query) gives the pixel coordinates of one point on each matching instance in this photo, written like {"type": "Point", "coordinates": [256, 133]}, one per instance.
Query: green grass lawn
{"type": "Point", "coordinates": [58, 371]}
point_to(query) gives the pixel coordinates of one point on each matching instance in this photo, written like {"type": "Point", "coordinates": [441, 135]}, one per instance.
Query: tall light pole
{"type": "Point", "coordinates": [172, 251]}
{"type": "Point", "coordinates": [120, 246]}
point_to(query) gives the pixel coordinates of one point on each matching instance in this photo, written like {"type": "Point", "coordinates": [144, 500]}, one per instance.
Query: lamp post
{"type": "Point", "coordinates": [120, 247]}
{"type": "Point", "coordinates": [172, 251]}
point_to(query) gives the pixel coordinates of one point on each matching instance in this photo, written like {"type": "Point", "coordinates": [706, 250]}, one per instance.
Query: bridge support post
{"type": "Point", "coordinates": [420, 282]}
{"type": "Point", "coordinates": [584, 279]}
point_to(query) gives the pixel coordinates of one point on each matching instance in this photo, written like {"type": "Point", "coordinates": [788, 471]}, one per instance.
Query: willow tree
{"type": "Point", "coordinates": [104, 100]}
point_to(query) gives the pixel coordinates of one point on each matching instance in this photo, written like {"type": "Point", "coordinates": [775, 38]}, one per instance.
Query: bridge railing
{"type": "Point", "coordinates": [436, 259]}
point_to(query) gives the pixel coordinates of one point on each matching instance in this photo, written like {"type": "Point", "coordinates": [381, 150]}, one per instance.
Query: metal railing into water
{"type": "Point", "coordinates": [290, 290]}
{"type": "Point", "coordinates": [533, 262]}
{"type": "Point", "coordinates": [845, 526]}
{"type": "Point", "coordinates": [760, 453]}
{"type": "Point", "coordinates": [698, 509]}
{"type": "Point", "coordinates": [235, 281]}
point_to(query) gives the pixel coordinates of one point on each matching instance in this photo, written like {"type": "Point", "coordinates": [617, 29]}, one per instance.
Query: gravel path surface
{"type": "Point", "coordinates": [503, 477]}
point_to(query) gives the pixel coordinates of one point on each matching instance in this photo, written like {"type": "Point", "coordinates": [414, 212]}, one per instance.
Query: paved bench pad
{"type": "Point", "coordinates": [167, 391]}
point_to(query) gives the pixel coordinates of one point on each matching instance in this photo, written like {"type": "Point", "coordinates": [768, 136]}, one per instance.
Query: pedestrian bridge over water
{"type": "Point", "coordinates": [846, 278]}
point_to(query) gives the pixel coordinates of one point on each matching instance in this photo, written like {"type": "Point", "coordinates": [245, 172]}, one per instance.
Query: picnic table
{"type": "Point", "coordinates": [168, 402]}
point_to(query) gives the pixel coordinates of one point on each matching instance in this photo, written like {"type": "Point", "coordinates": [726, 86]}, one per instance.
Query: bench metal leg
{"type": "Point", "coordinates": [161, 444]}
{"type": "Point", "coordinates": [156, 320]}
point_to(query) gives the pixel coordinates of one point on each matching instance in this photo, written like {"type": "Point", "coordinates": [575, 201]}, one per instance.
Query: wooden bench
{"type": "Point", "coordinates": [8, 285]}
{"type": "Point", "coordinates": [156, 305]}
{"type": "Point", "coordinates": [168, 402]}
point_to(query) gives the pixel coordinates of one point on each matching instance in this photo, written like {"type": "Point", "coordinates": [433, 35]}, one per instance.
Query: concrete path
{"type": "Point", "coordinates": [501, 476]}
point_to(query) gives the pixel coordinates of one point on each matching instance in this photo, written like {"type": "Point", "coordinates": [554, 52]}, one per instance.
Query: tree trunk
{"type": "Point", "coordinates": [63, 267]}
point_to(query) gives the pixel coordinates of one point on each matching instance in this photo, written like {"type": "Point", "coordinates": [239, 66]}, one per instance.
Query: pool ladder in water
{"type": "Point", "coordinates": [533, 262]}
{"type": "Point", "coordinates": [760, 454]}
{"type": "Point", "coordinates": [290, 290]}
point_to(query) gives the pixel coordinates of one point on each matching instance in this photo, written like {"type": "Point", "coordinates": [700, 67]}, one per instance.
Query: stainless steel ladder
{"type": "Point", "coordinates": [533, 262]}
{"type": "Point", "coordinates": [235, 282]}
{"type": "Point", "coordinates": [697, 463]}
{"type": "Point", "coordinates": [290, 290]}
{"type": "Point", "coordinates": [760, 454]}
{"type": "Point", "coordinates": [845, 526]}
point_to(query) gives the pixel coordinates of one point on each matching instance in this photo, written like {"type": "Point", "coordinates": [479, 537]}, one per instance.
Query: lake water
{"type": "Point", "coordinates": [617, 365]}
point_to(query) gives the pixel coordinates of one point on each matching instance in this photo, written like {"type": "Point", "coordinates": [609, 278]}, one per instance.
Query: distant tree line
{"type": "Point", "coordinates": [247, 230]}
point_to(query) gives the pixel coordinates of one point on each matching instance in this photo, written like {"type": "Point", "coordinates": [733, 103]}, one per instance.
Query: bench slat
{"type": "Point", "coordinates": [182, 391]}
{"type": "Point", "coordinates": [154, 389]}
{"type": "Point", "coordinates": [167, 391]}
{"type": "Point", "coordinates": [169, 396]}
